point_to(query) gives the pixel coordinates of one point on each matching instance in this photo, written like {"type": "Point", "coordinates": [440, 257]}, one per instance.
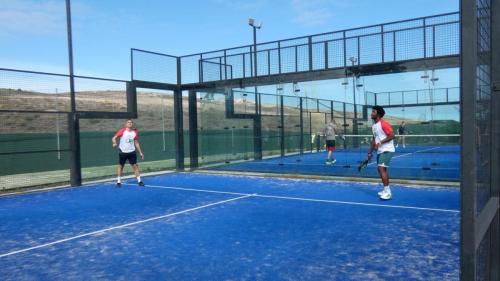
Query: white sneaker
{"type": "Point", "coordinates": [381, 192]}
{"type": "Point", "coordinates": [386, 195]}
{"type": "Point", "coordinates": [334, 160]}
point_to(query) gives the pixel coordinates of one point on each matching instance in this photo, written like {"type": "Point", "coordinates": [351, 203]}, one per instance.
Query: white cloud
{"type": "Point", "coordinates": [32, 17]}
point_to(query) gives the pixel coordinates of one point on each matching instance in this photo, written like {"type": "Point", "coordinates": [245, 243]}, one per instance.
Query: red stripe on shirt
{"type": "Point", "coordinates": [386, 127]}
{"type": "Point", "coordinates": [119, 134]}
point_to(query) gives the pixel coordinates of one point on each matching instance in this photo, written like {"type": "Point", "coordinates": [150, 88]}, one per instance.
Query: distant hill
{"type": "Point", "coordinates": [156, 112]}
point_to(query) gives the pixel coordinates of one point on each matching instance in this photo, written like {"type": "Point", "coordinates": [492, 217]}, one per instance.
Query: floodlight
{"type": "Point", "coordinates": [252, 23]}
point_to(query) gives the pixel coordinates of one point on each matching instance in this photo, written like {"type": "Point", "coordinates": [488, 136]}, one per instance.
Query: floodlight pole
{"type": "Point", "coordinates": [257, 118]}
{"type": "Point", "coordinates": [254, 50]}
{"type": "Point", "coordinates": [73, 122]}
{"type": "Point", "coordinates": [355, 123]}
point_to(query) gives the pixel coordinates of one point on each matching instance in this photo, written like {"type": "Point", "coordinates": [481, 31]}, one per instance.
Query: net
{"type": "Point", "coordinates": [420, 151]}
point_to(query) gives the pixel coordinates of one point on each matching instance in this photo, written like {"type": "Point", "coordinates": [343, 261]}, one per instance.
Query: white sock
{"type": "Point", "coordinates": [139, 179]}
{"type": "Point", "coordinates": [119, 180]}
{"type": "Point", "coordinates": [387, 189]}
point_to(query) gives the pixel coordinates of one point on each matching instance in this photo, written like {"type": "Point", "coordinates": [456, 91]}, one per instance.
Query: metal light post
{"type": "Point", "coordinates": [254, 26]}
{"type": "Point", "coordinates": [430, 81]}
{"type": "Point", "coordinates": [355, 121]}
{"type": "Point", "coordinates": [257, 119]}
{"type": "Point", "coordinates": [73, 121]}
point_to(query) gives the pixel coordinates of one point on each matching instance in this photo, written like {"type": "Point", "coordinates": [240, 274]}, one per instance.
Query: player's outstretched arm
{"type": "Point", "coordinates": [113, 141]}
{"type": "Point", "coordinates": [138, 146]}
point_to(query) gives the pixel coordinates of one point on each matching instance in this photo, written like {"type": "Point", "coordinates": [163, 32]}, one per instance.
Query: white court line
{"type": "Point", "coordinates": [340, 165]}
{"type": "Point", "coordinates": [123, 226]}
{"type": "Point", "coordinates": [357, 203]}
{"type": "Point", "coordinates": [85, 184]}
{"type": "Point", "coordinates": [193, 189]}
{"type": "Point", "coordinates": [308, 199]}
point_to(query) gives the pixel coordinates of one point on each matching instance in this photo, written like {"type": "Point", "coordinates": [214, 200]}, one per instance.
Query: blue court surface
{"type": "Point", "coordinates": [192, 226]}
{"type": "Point", "coordinates": [429, 163]}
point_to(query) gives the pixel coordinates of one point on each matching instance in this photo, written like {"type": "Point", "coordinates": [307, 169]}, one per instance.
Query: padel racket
{"type": "Point", "coordinates": [363, 165]}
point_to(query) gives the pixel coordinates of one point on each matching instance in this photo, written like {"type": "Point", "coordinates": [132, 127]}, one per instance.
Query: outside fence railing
{"type": "Point", "coordinates": [415, 97]}
{"type": "Point", "coordinates": [422, 38]}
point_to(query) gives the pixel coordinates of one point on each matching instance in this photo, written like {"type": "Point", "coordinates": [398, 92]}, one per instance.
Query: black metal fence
{"type": "Point", "coordinates": [480, 184]}
{"type": "Point", "coordinates": [35, 109]}
{"type": "Point", "coordinates": [421, 38]}
{"type": "Point", "coordinates": [414, 39]}
{"type": "Point", "coordinates": [450, 95]}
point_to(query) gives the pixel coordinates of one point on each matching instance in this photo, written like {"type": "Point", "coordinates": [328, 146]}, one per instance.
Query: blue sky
{"type": "Point", "coordinates": [33, 33]}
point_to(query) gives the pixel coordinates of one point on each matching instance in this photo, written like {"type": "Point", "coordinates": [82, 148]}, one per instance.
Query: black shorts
{"type": "Point", "coordinates": [330, 143]}
{"type": "Point", "coordinates": [131, 157]}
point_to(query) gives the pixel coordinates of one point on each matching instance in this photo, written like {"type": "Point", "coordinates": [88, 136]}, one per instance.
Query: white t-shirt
{"type": "Point", "coordinates": [127, 139]}
{"type": "Point", "coordinates": [381, 130]}
{"type": "Point", "coordinates": [330, 131]}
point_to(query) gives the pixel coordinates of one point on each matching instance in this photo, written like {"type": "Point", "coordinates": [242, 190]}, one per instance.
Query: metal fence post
{"type": "Point", "coordinates": [301, 117]}
{"type": "Point", "coordinates": [73, 122]}
{"type": "Point", "coordinates": [309, 44]}
{"type": "Point", "coordinates": [382, 42]}
{"type": "Point", "coordinates": [282, 126]}
{"type": "Point", "coordinates": [279, 57]}
{"type": "Point", "coordinates": [178, 120]}
{"type": "Point", "coordinates": [468, 141]}
{"type": "Point", "coordinates": [326, 54]}
{"type": "Point", "coordinates": [193, 129]}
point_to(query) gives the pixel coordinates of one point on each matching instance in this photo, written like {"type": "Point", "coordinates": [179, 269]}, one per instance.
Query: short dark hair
{"type": "Point", "coordinates": [380, 110]}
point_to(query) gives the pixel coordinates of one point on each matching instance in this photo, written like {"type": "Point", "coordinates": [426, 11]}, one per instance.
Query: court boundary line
{"type": "Point", "coordinates": [328, 178]}
{"type": "Point", "coordinates": [303, 199]}
{"type": "Point", "coordinates": [123, 226]}
{"type": "Point", "coordinates": [93, 183]}
{"type": "Point", "coordinates": [338, 165]}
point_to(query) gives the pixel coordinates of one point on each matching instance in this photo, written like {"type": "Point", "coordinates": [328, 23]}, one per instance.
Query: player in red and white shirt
{"type": "Point", "coordinates": [129, 141]}
{"type": "Point", "coordinates": [382, 141]}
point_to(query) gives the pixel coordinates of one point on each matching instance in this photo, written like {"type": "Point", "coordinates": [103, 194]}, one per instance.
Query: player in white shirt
{"type": "Point", "coordinates": [330, 136]}
{"type": "Point", "coordinates": [129, 141]}
{"type": "Point", "coordinates": [383, 143]}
